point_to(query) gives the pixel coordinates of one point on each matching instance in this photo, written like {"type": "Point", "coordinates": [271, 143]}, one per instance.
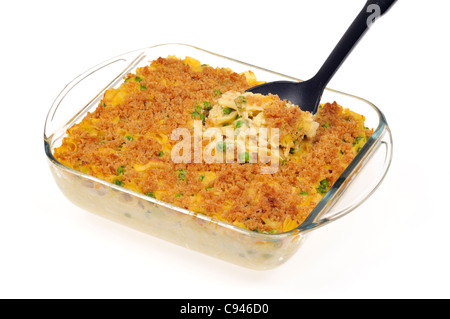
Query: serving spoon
{"type": "Point", "coordinates": [307, 94]}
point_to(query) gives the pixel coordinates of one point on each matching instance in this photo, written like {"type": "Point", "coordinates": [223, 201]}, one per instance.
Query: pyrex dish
{"type": "Point", "coordinates": [199, 232]}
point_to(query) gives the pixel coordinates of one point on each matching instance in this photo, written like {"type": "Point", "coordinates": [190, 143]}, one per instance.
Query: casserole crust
{"type": "Point", "coordinates": [127, 141]}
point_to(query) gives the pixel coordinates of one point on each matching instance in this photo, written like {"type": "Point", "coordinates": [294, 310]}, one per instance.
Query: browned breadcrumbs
{"type": "Point", "coordinates": [126, 141]}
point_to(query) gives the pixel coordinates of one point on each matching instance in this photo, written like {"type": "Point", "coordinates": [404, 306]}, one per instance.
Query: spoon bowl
{"type": "Point", "coordinates": [304, 94]}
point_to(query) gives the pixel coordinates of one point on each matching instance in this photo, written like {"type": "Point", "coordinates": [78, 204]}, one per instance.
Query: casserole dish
{"type": "Point", "coordinates": [192, 230]}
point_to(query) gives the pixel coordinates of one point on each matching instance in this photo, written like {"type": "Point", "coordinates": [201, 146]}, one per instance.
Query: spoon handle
{"type": "Point", "coordinates": [372, 10]}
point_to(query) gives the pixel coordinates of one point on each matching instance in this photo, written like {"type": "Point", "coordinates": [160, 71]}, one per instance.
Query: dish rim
{"type": "Point", "coordinates": [312, 221]}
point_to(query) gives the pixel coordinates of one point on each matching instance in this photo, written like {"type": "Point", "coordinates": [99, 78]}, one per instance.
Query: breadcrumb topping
{"type": "Point", "coordinates": [126, 141]}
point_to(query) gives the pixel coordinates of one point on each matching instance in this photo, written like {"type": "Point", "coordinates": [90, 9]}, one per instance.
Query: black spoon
{"type": "Point", "coordinates": [307, 94]}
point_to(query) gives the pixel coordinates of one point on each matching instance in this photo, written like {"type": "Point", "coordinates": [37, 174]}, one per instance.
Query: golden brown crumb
{"type": "Point", "coordinates": [126, 141]}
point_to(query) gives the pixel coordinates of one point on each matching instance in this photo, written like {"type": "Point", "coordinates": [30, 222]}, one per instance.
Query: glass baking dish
{"type": "Point", "coordinates": [196, 231]}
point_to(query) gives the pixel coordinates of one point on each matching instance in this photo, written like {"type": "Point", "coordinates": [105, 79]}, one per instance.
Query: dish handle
{"type": "Point", "coordinates": [359, 187]}
{"type": "Point", "coordinates": [91, 83]}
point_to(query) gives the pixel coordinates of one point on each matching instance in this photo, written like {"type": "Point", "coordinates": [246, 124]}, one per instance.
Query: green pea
{"type": "Point", "coordinates": [245, 157]}
{"type": "Point", "coordinates": [118, 182]}
{"type": "Point", "coordinates": [227, 111]}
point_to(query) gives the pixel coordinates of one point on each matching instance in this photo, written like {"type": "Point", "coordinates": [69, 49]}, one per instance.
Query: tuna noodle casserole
{"type": "Point", "coordinates": [128, 141]}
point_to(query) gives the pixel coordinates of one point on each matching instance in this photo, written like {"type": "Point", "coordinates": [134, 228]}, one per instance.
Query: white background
{"type": "Point", "coordinates": [393, 246]}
